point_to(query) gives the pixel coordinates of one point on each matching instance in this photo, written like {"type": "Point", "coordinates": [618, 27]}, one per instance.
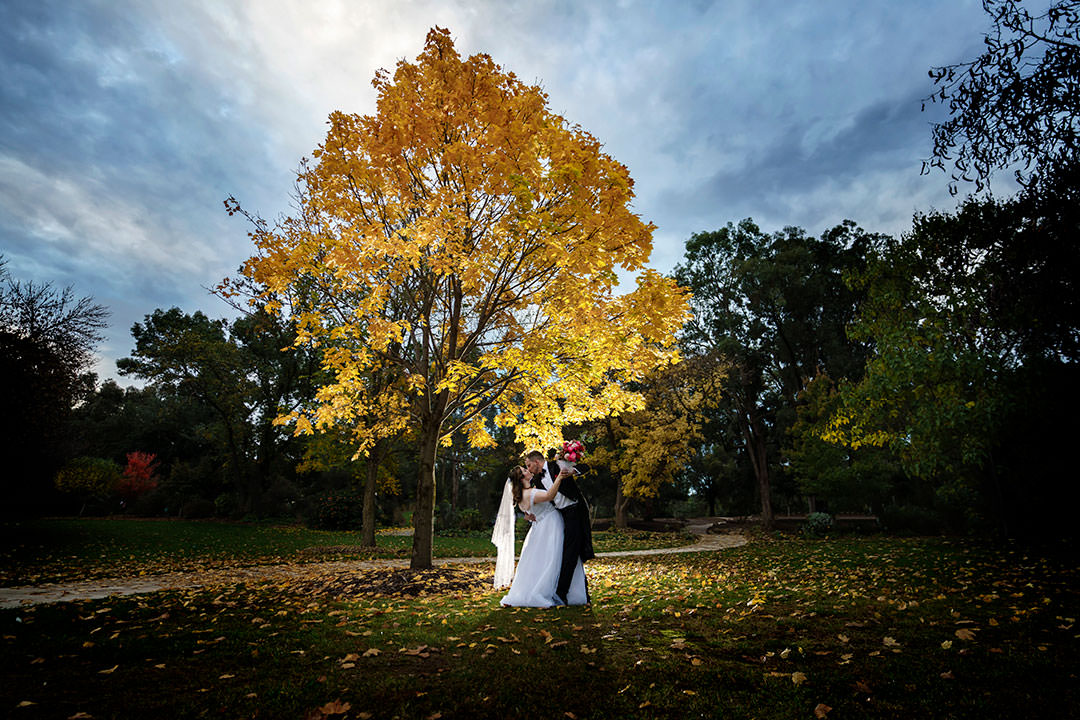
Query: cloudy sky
{"type": "Point", "coordinates": [124, 124]}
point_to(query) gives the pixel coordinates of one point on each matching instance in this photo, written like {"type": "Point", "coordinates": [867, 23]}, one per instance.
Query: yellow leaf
{"type": "Point", "coordinates": [798, 678]}
{"type": "Point", "coordinates": [335, 707]}
{"type": "Point", "coordinates": [110, 671]}
{"type": "Point", "coordinates": [965, 634]}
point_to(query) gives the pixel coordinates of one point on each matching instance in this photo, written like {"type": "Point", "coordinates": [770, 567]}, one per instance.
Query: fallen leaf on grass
{"type": "Point", "coordinates": [26, 703]}
{"type": "Point", "coordinates": [110, 671]}
{"type": "Point", "coordinates": [965, 634]}
{"type": "Point", "coordinates": [335, 707]}
{"type": "Point", "coordinates": [822, 710]}
{"type": "Point", "coordinates": [371, 652]}
{"type": "Point", "coordinates": [798, 678]}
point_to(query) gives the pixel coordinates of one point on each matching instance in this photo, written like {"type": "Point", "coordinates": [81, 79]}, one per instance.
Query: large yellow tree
{"type": "Point", "coordinates": [469, 237]}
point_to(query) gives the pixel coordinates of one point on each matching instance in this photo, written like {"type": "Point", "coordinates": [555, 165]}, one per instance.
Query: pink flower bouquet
{"type": "Point", "coordinates": [572, 451]}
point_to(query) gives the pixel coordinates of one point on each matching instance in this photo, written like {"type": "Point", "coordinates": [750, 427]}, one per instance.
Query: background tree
{"type": "Point", "coordinates": [139, 476]}
{"type": "Point", "coordinates": [88, 479]}
{"type": "Point", "coordinates": [851, 480]}
{"type": "Point", "coordinates": [646, 449]}
{"type": "Point", "coordinates": [1016, 104]}
{"type": "Point", "coordinates": [501, 227]}
{"type": "Point", "coordinates": [774, 307]}
{"type": "Point", "coordinates": [972, 319]}
{"type": "Point", "coordinates": [240, 373]}
{"type": "Point", "coordinates": [47, 341]}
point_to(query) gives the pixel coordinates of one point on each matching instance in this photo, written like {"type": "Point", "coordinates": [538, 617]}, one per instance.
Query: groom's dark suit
{"type": "Point", "coordinates": [577, 532]}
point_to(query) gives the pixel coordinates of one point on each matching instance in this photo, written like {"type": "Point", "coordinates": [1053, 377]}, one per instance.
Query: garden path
{"type": "Point", "coordinates": [24, 595]}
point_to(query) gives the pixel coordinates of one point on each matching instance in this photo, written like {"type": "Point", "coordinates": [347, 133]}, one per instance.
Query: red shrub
{"type": "Point", "coordinates": [140, 475]}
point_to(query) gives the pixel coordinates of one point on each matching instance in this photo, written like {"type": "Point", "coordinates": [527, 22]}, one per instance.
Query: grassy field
{"type": "Point", "coordinates": [780, 628]}
{"type": "Point", "coordinates": [56, 550]}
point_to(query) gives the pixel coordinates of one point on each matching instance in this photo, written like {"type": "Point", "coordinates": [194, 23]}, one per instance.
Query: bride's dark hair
{"type": "Point", "coordinates": [517, 483]}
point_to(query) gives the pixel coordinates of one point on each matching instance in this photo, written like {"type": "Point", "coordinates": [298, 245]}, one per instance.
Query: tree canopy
{"type": "Point", "coordinates": [47, 341]}
{"type": "Point", "coordinates": [1016, 104]}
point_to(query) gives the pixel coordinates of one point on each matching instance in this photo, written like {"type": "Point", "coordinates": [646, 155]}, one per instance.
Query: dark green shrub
{"type": "Point", "coordinates": [197, 509]}
{"type": "Point", "coordinates": [911, 519]}
{"type": "Point", "coordinates": [225, 505]}
{"type": "Point", "coordinates": [88, 477]}
{"type": "Point", "coordinates": [337, 510]}
{"type": "Point", "coordinates": [469, 519]}
{"type": "Point", "coordinates": [91, 480]}
{"type": "Point", "coordinates": [818, 524]}
{"type": "Point", "coordinates": [151, 504]}
{"type": "Point", "coordinates": [446, 517]}
{"type": "Point", "coordinates": [279, 500]}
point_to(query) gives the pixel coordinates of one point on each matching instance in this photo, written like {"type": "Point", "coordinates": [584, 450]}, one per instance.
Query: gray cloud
{"type": "Point", "coordinates": [124, 124]}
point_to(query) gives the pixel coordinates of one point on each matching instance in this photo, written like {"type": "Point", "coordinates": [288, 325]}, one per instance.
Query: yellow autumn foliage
{"type": "Point", "coordinates": [468, 237]}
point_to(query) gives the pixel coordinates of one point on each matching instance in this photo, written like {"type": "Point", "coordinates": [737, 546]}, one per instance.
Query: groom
{"type": "Point", "coordinates": [577, 535]}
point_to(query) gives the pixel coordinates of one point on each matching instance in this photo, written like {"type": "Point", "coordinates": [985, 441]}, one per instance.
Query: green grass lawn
{"type": "Point", "coordinates": [780, 628]}
{"type": "Point", "coordinates": [80, 548]}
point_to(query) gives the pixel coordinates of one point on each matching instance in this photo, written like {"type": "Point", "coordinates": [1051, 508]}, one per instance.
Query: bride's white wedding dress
{"type": "Point", "coordinates": [541, 555]}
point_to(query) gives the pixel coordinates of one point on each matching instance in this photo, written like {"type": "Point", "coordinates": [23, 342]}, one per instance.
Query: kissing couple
{"type": "Point", "coordinates": [550, 571]}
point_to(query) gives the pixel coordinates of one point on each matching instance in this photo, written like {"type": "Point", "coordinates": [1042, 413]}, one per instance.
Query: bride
{"type": "Point", "coordinates": [541, 556]}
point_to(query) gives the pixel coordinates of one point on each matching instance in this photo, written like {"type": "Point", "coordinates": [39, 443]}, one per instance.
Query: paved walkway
{"type": "Point", "coordinates": [19, 596]}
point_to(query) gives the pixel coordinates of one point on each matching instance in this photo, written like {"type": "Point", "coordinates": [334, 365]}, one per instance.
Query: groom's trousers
{"type": "Point", "coordinates": [577, 544]}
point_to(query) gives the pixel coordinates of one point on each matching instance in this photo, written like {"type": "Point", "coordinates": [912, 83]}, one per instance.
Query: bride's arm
{"type": "Point", "coordinates": [545, 495]}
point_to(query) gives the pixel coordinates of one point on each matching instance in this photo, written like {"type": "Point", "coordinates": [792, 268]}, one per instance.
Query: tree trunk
{"type": "Point", "coordinates": [759, 459]}
{"type": "Point", "coordinates": [765, 487]}
{"type": "Point", "coordinates": [367, 528]}
{"type": "Point", "coordinates": [455, 483]}
{"type": "Point", "coordinates": [424, 512]}
{"type": "Point", "coordinates": [622, 504]}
